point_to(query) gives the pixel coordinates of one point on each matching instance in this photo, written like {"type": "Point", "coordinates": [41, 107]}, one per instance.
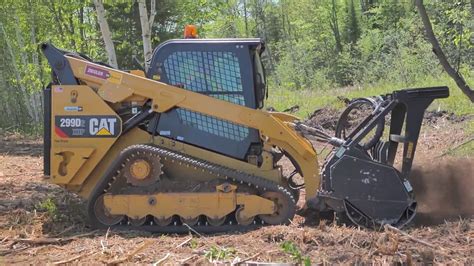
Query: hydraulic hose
{"type": "Point", "coordinates": [343, 121]}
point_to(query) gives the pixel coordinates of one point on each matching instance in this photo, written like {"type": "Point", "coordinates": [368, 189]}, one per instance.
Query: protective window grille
{"type": "Point", "coordinates": [216, 74]}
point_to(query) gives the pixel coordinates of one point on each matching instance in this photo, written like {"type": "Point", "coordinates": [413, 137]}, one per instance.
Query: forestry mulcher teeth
{"type": "Point", "coordinates": [187, 146]}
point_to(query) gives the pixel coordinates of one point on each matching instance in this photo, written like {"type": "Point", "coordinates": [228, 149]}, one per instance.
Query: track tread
{"type": "Point", "coordinates": [226, 173]}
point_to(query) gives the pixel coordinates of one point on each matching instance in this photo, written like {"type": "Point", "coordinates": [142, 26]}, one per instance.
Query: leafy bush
{"type": "Point", "coordinates": [216, 253]}
{"type": "Point", "coordinates": [49, 206]}
{"type": "Point", "coordinates": [295, 253]}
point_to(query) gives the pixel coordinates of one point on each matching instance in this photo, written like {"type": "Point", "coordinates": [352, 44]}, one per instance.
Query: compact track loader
{"type": "Point", "coordinates": [187, 144]}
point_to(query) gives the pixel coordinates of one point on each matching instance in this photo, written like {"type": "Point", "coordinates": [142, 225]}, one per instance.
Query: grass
{"type": "Point", "coordinates": [295, 253]}
{"type": "Point", "coordinates": [29, 131]}
{"type": "Point", "coordinates": [310, 100]}
{"type": "Point", "coordinates": [216, 253]}
{"type": "Point", "coordinates": [465, 149]}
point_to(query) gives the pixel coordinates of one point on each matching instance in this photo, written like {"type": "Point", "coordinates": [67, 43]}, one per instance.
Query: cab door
{"type": "Point", "coordinates": [222, 69]}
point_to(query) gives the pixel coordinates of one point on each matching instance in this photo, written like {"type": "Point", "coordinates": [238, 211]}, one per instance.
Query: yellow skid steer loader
{"type": "Point", "coordinates": [187, 144]}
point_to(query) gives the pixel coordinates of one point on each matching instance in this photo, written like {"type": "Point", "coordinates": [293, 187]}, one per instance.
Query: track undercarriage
{"type": "Point", "coordinates": [227, 200]}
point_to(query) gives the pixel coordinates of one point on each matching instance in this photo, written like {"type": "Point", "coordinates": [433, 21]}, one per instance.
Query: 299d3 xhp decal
{"type": "Point", "coordinates": [101, 126]}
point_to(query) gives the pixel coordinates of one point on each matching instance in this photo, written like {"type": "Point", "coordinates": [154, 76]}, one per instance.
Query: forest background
{"type": "Point", "coordinates": [316, 51]}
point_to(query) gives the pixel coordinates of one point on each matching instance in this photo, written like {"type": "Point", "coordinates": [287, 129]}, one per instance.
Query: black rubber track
{"type": "Point", "coordinates": [232, 175]}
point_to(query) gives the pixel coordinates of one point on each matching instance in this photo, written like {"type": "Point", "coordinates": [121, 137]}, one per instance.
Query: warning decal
{"type": "Point", "coordinates": [97, 72]}
{"type": "Point", "coordinates": [87, 126]}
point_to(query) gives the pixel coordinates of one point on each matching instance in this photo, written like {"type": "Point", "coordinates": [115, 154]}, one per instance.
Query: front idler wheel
{"type": "Point", "coordinates": [103, 215]}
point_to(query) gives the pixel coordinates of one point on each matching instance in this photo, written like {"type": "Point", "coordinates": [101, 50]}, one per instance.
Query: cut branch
{"type": "Point", "coordinates": [49, 241]}
{"type": "Point", "coordinates": [456, 76]}
{"type": "Point", "coordinates": [389, 227]}
{"type": "Point", "coordinates": [132, 254]}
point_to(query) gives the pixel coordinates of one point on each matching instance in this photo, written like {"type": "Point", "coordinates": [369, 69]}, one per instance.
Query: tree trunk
{"type": "Point", "coordinates": [59, 23]}
{"type": "Point", "coordinates": [335, 27]}
{"type": "Point", "coordinates": [72, 32]}
{"type": "Point", "coordinates": [456, 76]}
{"type": "Point", "coordinates": [472, 8]}
{"type": "Point", "coordinates": [262, 30]}
{"type": "Point", "coordinates": [4, 94]}
{"type": "Point", "coordinates": [24, 63]}
{"type": "Point", "coordinates": [246, 19]}
{"type": "Point", "coordinates": [34, 99]}
{"type": "Point", "coordinates": [147, 25]}
{"type": "Point", "coordinates": [84, 42]}
{"type": "Point", "coordinates": [106, 35]}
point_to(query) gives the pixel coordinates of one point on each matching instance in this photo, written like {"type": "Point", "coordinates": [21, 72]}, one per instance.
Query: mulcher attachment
{"type": "Point", "coordinates": [359, 181]}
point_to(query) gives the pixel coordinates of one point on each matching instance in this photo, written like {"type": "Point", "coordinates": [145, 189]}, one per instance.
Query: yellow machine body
{"type": "Point", "coordinates": [79, 163]}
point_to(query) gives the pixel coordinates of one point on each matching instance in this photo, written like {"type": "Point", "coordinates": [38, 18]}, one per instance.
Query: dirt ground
{"type": "Point", "coordinates": [40, 223]}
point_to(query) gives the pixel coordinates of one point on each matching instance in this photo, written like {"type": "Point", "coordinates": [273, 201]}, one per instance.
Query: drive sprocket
{"type": "Point", "coordinates": [142, 169]}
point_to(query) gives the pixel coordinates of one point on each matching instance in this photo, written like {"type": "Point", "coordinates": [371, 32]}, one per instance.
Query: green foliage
{"type": "Point", "coordinates": [310, 100]}
{"type": "Point", "coordinates": [313, 46]}
{"type": "Point", "coordinates": [193, 243]}
{"type": "Point", "coordinates": [216, 253]}
{"type": "Point", "coordinates": [351, 23]}
{"type": "Point", "coordinates": [295, 253]}
{"type": "Point", "coordinates": [49, 206]}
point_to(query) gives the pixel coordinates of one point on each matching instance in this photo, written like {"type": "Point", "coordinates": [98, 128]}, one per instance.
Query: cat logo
{"type": "Point", "coordinates": [102, 126]}
{"type": "Point", "coordinates": [86, 126]}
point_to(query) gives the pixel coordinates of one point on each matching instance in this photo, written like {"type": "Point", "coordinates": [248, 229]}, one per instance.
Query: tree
{"type": "Point", "coordinates": [352, 30]}
{"type": "Point", "coordinates": [333, 21]}
{"type": "Point", "coordinates": [106, 35]}
{"type": "Point", "coordinates": [438, 51]}
{"type": "Point", "coordinates": [147, 25]}
{"type": "Point", "coordinates": [366, 5]}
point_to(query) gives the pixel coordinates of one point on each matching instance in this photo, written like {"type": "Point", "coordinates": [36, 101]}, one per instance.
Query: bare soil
{"type": "Point", "coordinates": [41, 223]}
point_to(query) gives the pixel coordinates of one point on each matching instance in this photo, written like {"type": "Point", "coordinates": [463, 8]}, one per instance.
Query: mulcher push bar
{"type": "Point", "coordinates": [405, 106]}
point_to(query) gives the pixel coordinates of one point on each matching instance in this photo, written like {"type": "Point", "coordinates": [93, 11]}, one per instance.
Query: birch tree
{"type": "Point", "coordinates": [15, 68]}
{"type": "Point", "coordinates": [147, 25]}
{"type": "Point", "coordinates": [36, 99]}
{"type": "Point", "coordinates": [106, 35]}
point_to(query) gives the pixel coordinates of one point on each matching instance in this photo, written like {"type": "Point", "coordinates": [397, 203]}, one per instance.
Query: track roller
{"type": "Point", "coordinates": [189, 220]}
{"type": "Point", "coordinates": [138, 221]}
{"type": "Point", "coordinates": [162, 221]}
{"type": "Point", "coordinates": [216, 221]}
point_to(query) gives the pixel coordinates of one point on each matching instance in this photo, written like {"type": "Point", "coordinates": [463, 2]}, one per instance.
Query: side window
{"type": "Point", "coordinates": [216, 74]}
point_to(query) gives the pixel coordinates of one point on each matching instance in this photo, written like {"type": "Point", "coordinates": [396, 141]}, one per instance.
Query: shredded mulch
{"type": "Point", "coordinates": [42, 223]}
